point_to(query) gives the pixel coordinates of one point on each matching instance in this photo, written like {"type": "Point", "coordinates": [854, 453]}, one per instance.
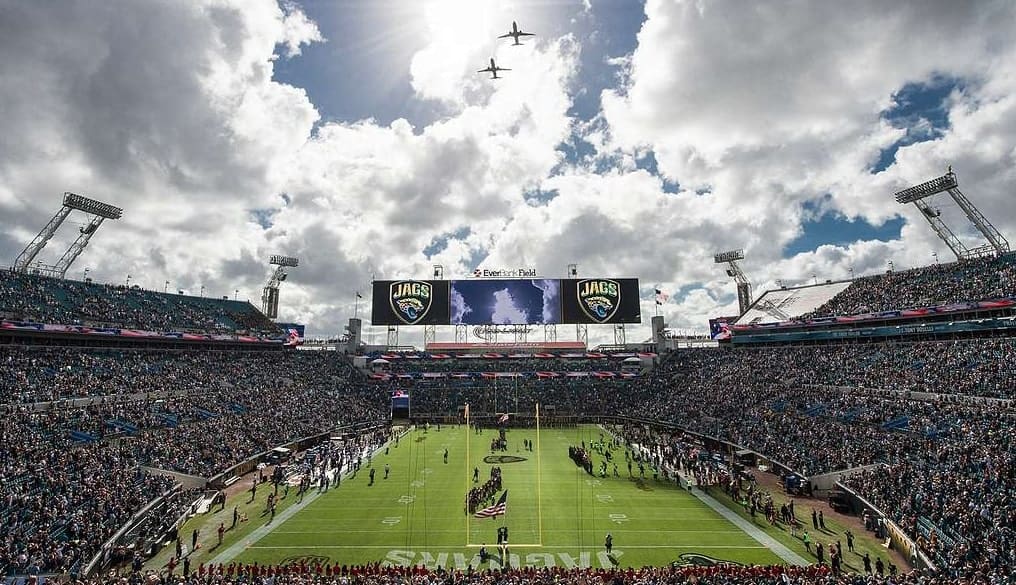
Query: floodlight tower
{"type": "Point", "coordinates": [270, 294]}
{"type": "Point", "coordinates": [997, 244]}
{"type": "Point", "coordinates": [734, 271]}
{"type": "Point", "coordinates": [97, 212]}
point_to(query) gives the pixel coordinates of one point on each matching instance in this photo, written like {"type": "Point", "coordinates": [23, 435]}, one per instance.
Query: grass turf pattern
{"type": "Point", "coordinates": [557, 514]}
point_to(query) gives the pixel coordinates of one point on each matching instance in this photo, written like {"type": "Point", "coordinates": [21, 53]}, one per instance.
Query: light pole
{"type": "Point", "coordinates": [235, 292]}
{"type": "Point", "coordinates": [165, 287]}
{"type": "Point", "coordinates": [202, 291]}
{"type": "Point", "coordinates": [851, 269]}
{"type": "Point", "coordinates": [891, 266]}
{"type": "Point", "coordinates": [935, 256]}
{"type": "Point", "coordinates": [84, 276]}
{"type": "Point", "coordinates": [128, 281]}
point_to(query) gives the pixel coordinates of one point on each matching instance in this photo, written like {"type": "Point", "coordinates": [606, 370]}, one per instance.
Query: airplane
{"type": "Point", "coordinates": [493, 69]}
{"type": "Point", "coordinates": [515, 33]}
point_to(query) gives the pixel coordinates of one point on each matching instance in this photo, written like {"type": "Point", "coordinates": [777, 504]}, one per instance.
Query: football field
{"type": "Point", "coordinates": [557, 514]}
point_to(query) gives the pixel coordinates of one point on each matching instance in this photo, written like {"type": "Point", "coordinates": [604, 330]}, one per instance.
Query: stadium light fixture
{"type": "Point", "coordinates": [91, 206]}
{"type": "Point", "coordinates": [927, 188]}
{"type": "Point", "coordinates": [731, 256]}
{"type": "Point", "coordinates": [284, 261]}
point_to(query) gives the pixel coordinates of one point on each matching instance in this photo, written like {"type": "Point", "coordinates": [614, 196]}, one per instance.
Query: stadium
{"type": "Point", "coordinates": [139, 439]}
{"type": "Point", "coordinates": [489, 418]}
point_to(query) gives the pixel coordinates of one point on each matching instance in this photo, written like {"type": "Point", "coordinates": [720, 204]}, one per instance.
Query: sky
{"type": "Point", "coordinates": [631, 139]}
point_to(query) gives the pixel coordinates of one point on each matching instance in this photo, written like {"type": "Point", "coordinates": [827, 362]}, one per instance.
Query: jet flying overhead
{"type": "Point", "coordinates": [515, 33]}
{"type": "Point", "coordinates": [493, 69]}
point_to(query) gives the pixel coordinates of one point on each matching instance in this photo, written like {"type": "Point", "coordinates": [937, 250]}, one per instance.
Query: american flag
{"type": "Point", "coordinates": [503, 419]}
{"type": "Point", "coordinates": [499, 508]}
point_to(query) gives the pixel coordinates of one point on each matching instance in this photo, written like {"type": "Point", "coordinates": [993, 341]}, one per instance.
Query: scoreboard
{"type": "Point", "coordinates": [506, 301]}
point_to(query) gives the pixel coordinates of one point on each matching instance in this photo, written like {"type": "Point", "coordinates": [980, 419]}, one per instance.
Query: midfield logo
{"type": "Point", "coordinates": [411, 300]}
{"type": "Point", "coordinates": [599, 298]}
{"type": "Point", "coordinates": [501, 459]}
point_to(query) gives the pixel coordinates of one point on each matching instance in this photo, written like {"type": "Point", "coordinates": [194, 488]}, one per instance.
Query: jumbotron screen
{"type": "Point", "coordinates": [529, 301]}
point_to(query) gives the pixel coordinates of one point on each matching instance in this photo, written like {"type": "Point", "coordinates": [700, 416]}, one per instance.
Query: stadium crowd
{"type": "Point", "coordinates": [376, 574]}
{"type": "Point", "coordinates": [72, 476]}
{"type": "Point", "coordinates": [42, 299]}
{"type": "Point", "coordinates": [58, 502]}
{"type": "Point", "coordinates": [939, 284]}
{"type": "Point", "coordinates": [955, 449]}
{"type": "Point", "coordinates": [945, 464]}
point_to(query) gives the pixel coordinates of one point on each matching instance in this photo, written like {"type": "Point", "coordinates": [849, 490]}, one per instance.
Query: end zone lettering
{"type": "Point", "coordinates": [444, 560]}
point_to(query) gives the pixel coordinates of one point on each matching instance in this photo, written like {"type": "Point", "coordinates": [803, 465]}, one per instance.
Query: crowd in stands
{"type": "Point", "coordinates": [41, 299]}
{"type": "Point", "coordinates": [939, 284]}
{"type": "Point", "coordinates": [956, 449]}
{"type": "Point", "coordinates": [377, 574]}
{"type": "Point", "coordinates": [71, 474]}
{"type": "Point", "coordinates": [59, 503]}
{"type": "Point", "coordinates": [505, 365]}
{"type": "Point", "coordinates": [945, 464]}
{"type": "Point", "coordinates": [973, 367]}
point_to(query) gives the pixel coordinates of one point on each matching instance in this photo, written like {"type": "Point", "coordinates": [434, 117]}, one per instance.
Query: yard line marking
{"type": "Point", "coordinates": [592, 530]}
{"type": "Point", "coordinates": [261, 531]}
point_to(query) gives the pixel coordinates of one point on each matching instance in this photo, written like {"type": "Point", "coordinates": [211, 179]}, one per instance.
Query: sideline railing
{"type": "Point", "coordinates": [898, 537]}
{"type": "Point", "coordinates": [218, 481]}
{"type": "Point", "coordinates": [102, 557]}
{"type": "Point", "coordinates": [713, 444]}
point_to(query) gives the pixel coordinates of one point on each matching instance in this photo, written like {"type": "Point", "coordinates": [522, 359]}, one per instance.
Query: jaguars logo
{"type": "Point", "coordinates": [502, 459]}
{"type": "Point", "coordinates": [599, 298]}
{"type": "Point", "coordinates": [701, 560]}
{"type": "Point", "coordinates": [309, 560]}
{"type": "Point", "coordinates": [411, 300]}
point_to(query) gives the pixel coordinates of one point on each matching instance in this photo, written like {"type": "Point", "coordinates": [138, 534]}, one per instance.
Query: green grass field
{"type": "Point", "coordinates": [557, 514]}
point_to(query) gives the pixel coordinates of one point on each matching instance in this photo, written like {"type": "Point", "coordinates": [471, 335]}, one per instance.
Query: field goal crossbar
{"type": "Point", "coordinates": [539, 486]}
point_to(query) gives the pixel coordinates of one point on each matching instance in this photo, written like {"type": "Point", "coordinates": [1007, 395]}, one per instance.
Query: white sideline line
{"type": "Point", "coordinates": [751, 530]}
{"type": "Point", "coordinates": [261, 531]}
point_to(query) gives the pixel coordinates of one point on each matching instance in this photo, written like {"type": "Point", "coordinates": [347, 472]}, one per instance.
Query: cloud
{"type": "Point", "coordinates": [551, 299]}
{"type": "Point", "coordinates": [459, 308]}
{"type": "Point", "coordinates": [505, 310]}
{"type": "Point", "coordinates": [727, 119]}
